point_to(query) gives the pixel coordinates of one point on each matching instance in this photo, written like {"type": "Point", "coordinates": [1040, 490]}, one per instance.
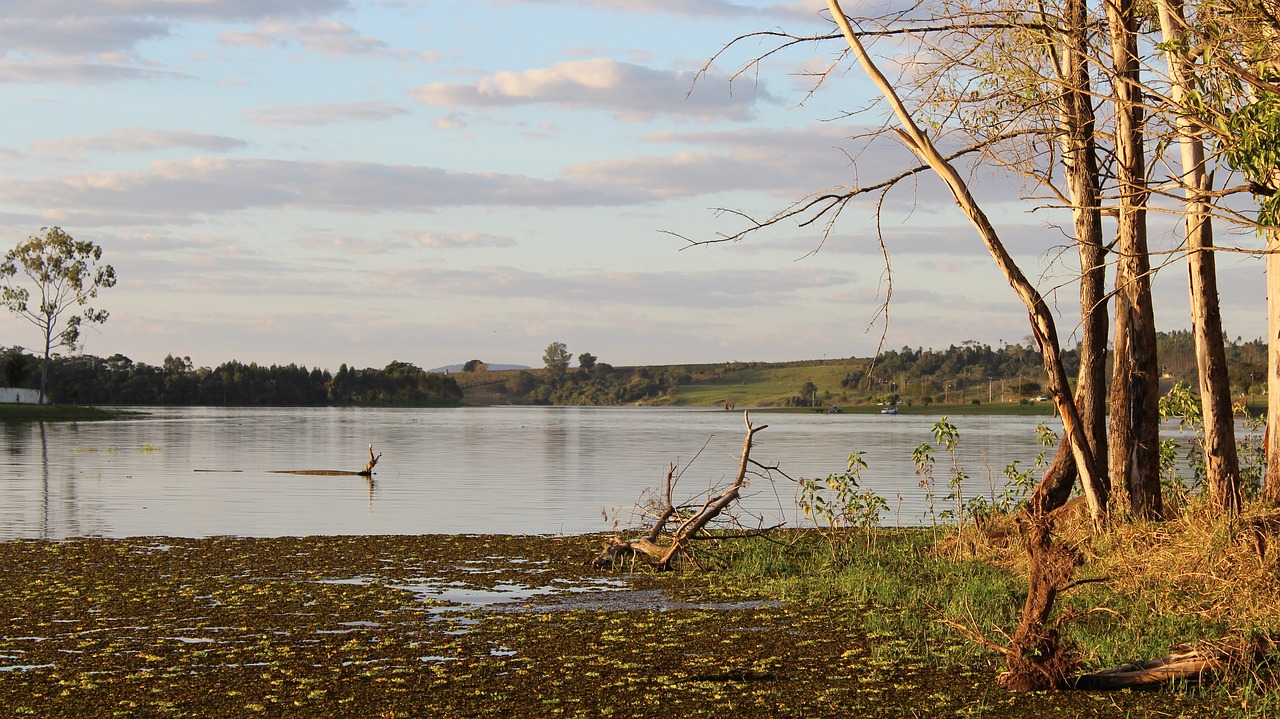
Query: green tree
{"type": "Point", "coordinates": [586, 360]}
{"type": "Point", "coordinates": [557, 361]}
{"type": "Point", "coordinates": [474, 365]}
{"type": "Point", "coordinates": [65, 274]}
{"type": "Point", "coordinates": [808, 393]}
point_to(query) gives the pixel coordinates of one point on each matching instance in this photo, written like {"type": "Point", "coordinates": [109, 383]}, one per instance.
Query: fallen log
{"type": "Point", "coordinates": [1191, 663]}
{"type": "Point", "coordinates": [366, 472]}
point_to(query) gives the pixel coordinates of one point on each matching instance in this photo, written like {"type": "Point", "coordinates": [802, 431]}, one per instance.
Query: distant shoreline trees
{"type": "Point", "coordinates": [958, 373]}
{"type": "Point", "coordinates": [118, 380]}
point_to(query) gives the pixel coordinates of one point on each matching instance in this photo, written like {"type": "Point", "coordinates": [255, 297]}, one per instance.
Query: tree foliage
{"type": "Point", "coordinates": [556, 359]}
{"type": "Point", "coordinates": [60, 275]}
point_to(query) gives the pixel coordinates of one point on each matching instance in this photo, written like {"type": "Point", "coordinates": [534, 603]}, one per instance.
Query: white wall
{"type": "Point", "coordinates": [19, 396]}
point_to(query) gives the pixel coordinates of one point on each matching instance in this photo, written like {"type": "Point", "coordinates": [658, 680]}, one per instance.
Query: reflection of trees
{"type": "Point", "coordinates": [44, 484]}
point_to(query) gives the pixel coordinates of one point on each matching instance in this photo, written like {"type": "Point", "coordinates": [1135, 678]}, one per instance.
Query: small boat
{"type": "Point", "coordinates": [889, 410]}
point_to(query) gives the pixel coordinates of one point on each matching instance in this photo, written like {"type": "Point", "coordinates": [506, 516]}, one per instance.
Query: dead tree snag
{"type": "Point", "coordinates": [368, 468]}
{"type": "Point", "coordinates": [691, 524]}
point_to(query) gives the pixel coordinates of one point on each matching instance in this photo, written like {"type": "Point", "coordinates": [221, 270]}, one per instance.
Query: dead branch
{"type": "Point", "coordinates": [692, 525]}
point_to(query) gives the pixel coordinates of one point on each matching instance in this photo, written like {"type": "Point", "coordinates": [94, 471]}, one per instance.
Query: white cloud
{"type": "Point", "coordinates": [75, 72]}
{"type": "Point", "coordinates": [129, 140]}
{"type": "Point", "coordinates": [329, 38]}
{"type": "Point", "coordinates": [713, 9]}
{"type": "Point", "coordinates": [329, 114]}
{"type": "Point", "coordinates": [631, 92]}
{"type": "Point", "coordinates": [210, 185]}
{"type": "Point", "coordinates": [454, 240]}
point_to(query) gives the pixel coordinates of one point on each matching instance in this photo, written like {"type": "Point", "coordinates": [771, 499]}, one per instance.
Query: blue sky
{"type": "Point", "coordinates": [361, 181]}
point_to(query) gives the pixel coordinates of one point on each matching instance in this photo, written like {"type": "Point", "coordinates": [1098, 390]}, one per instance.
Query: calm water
{"type": "Point", "coordinates": [514, 470]}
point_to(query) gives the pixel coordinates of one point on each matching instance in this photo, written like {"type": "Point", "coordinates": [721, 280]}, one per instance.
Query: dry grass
{"type": "Point", "coordinates": [1196, 563]}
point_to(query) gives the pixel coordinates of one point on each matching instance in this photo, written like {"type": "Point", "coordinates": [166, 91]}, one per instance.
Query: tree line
{"type": "Point", "coordinates": [974, 364]}
{"type": "Point", "coordinates": [118, 380]}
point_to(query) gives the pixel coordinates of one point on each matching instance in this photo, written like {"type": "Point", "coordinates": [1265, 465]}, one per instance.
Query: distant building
{"type": "Point", "coordinates": [11, 395]}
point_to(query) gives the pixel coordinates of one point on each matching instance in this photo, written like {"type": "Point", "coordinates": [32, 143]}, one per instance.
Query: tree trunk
{"type": "Point", "coordinates": [44, 363]}
{"type": "Point", "coordinates": [1076, 128]}
{"type": "Point", "coordinates": [1222, 466]}
{"type": "Point", "coordinates": [1135, 383]}
{"type": "Point", "coordinates": [1271, 488]}
{"type": "Point", "coordinates": [1042, 323]}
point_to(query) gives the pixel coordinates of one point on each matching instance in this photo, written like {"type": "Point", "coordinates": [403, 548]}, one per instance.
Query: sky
{"type": "Point", "coordinates": [323, 182]}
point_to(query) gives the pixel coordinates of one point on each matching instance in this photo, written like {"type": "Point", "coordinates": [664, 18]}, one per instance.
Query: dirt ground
{"type": "Point", "coordinates": [459, 626]}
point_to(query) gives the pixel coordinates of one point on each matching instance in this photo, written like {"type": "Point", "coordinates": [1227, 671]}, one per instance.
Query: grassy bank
{"type": "Point", "coordinates": [407, 626]}
{"type": "Point", "coordinates": [57, 413]}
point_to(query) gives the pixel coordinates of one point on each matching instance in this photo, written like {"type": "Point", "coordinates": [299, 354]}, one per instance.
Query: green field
{"type": "Point", "coordinates": [775, 386]}
{"type": "Point", "coordinates": [767, 386]}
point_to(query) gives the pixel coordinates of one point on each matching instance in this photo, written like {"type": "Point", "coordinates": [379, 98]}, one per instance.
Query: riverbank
{"type": "Point", "coordinates": [423, 626]}
{"type": "Point", "coordinates": [58, 413]}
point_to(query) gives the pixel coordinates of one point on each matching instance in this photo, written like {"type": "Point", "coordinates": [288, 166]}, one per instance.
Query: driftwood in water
{"type": "Point", "coordinates": [366, 472]}
{"type": "Point", "coordinates": [368, 468]}
{"type": "Point", "coordinates": [615, 549]}
{"type": "Point", "coordinates": [1187, 663]}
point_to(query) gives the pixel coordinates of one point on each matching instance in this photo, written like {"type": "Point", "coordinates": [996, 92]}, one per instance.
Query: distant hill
{"type": "Point", "coordinates": [491, 367]}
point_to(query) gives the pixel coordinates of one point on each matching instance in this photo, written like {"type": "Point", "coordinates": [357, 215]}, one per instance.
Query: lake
{"type": "Point", "coordinates": [193, 472]}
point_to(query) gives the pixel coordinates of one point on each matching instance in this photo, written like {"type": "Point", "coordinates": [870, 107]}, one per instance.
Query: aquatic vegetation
{"type": "Point", "coordinates": [366, 627]}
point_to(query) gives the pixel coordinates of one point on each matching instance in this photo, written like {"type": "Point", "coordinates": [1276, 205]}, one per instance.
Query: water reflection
{"type": "Point", "coordinates": [209, 471]}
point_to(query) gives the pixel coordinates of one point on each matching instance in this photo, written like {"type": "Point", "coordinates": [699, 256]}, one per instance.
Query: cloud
{"type": "Point", "coordinates": [711, 9]}
{"type": "Point", "coordinates": [330, 38]}
{"type": "Point", "coordinates": [75, 72]}
{"type": "Point", "coordinates": [77, 35]}
{"type": "Point", "coordinates": [129, 140]}
{"type": "Point", "coordinates": [455, 240]}
{"type": "Point", "coordinates": [81, 28]}
{"type": "Point", "coordinates": [631, 92]}
{"type": "Point", "coordinates": [789, 163]}
{"type": "Point", "coordinates": [329, 114]}
{"type": "Point", "coordinates": [206, 10]}
{"type": "Point", "coordinates": [211, 185]}
{"type": "Point", "coordinates": [723, 288]}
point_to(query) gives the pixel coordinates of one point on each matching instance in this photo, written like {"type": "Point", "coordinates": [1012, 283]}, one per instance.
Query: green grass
{"type": "Point", "coordinates": [58, 413]}
{"type": "Point", "coordinates": [903, 585]}
{"type": "Point", "coordinates": [774, 386]}
{"type": "Point", "coordinates": [767, 386]}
